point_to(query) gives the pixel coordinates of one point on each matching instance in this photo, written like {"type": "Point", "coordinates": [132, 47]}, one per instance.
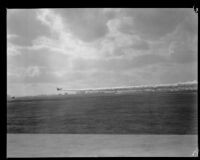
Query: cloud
{"type": "Point", "coordinates": [178, 72]}
{"type": "Point", "coordinates": [12, 49]}
{"type": "Point", "coordinates": [19, 74]}
{"type": "Point", "coordinates": [63, 39]}
{"type": "Point", "coordinates": [182, 53]}
{"type": "Point", "coordinates": [118, 64]}
{"type": "Point", "coordinates": [32, 75]}
{"type": "Point", "coordinates": [153, 24]}
{"type": "Point", "coordinates": [116, 43]}
{"type": "Point", "coordinates": [24, 24]}
{"type": "Point", "coordinates": [141, 45]}
{"type": "Point", "coordinates": [190, 23]}
{"type": "Point", "coordinates": [77, 48]}
{"type": "Point", "coordinates": [28, 89]}
{"type": "Point", "coordinates": [43, 58]}
{"type": "Point", "coordinates": [86, 24]}
{"type": "Point", "coordinates": [32, 71]}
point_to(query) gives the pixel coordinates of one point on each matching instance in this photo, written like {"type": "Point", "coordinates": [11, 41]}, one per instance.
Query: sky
{"type": "Point", "coordinates": [98, 48]}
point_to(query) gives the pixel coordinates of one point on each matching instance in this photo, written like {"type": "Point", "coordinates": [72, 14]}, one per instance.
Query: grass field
{"type": "Point", "coordinates": [141, 113]}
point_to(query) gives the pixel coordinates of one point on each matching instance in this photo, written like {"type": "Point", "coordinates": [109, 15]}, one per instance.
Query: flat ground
{"type": "Point", "coordinates": [142, 124]}
{"type": "Point", "coordinates": [141, 113]}
{"type": "Point", "coordinates": [94, 145]}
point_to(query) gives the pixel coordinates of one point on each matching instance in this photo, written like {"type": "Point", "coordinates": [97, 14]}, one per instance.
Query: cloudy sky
{"type": "Point", "coordinates": [94, 48]}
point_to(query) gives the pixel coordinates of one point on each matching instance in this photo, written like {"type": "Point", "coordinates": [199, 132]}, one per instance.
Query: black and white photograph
{"type": "Point", "coordinates": [102, 82]}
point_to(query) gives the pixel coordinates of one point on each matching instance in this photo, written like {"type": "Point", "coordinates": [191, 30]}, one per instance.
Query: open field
{"type": "Point", "coordinates": [94, 145]}
{"type": "Point", "coordinates": [141, 113]}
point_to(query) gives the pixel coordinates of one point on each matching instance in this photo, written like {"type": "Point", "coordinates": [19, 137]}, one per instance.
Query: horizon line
{"type": "Point", "coordinates": [119, 87]}
{"type": "Point", "coordinates": [150, 85]}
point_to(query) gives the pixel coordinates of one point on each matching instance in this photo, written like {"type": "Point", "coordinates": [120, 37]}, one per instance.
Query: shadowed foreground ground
{"type": "Point", "coordinates": [94, 145]}
{"type": "Point", "coordinates": [141, 113]}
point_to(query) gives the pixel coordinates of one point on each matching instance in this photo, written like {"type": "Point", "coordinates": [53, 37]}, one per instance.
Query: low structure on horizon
{"type": "Point", "coordinates": [186, 86]}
